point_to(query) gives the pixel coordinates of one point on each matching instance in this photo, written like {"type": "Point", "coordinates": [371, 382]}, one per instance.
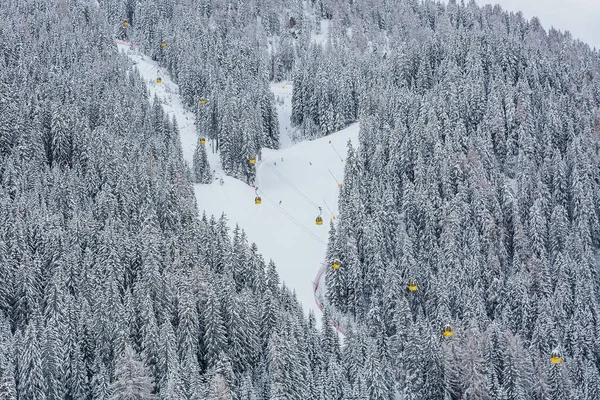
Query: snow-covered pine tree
{"type": "Point", "coordinates": [201, 168]}
{"type": "Point", "coordinates": [131, 378]}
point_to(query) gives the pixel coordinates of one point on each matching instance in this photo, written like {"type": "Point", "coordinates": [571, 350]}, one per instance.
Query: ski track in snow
{"type": "Point", "coordinates": [283, 102]}
{"type": "Point", "coordinates": [168, 95]}
{"type": "Point", "coordinates": [301, 176]}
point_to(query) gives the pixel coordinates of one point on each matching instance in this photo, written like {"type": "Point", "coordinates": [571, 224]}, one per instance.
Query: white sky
{"type": "Point", "coordinates": [580, 17]}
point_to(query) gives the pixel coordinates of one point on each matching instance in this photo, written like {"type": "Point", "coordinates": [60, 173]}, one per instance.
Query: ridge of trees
{"type": "Point", "coordinates": [111, 286]}
{"type": "Point", "coordinates": [477, 174]}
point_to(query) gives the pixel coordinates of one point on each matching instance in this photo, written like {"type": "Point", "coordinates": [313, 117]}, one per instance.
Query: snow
{"type": "Point", "coordinates": [283, 101]}
{"type": "Point", "coordinates": [168, 94]}
{"type": "Point", "coordinates": [292, 182]}
{"type": "Point", "coordinates": [321, 38]}
{"type": "Point", "coordinates": [287, 232]}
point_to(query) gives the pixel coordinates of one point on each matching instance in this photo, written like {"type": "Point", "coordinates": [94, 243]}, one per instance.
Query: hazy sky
{"type": "Point", "coordinates": [580, 17]}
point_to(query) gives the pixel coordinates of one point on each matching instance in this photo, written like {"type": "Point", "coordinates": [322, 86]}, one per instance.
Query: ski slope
{"type": "Point", "coordinates": [168, 95]}
{"type": "Point", "coordinates": [292, 182]}
{"type": "Point", "coordinates": [283, 103]}
{"type": "Point", "coordinates": [287, 232]}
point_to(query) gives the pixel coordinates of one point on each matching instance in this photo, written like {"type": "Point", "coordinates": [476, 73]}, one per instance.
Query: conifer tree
{"type": "Point", "coordinates": [214, 338]}
{"type": "Point", "coordinates": [31, 382]}
{"type": "Point", "coordinates": [131, 378]}
{"type": "Point", "coordinates": [202, 172]}
{"type": "Point", "coordinates": [8, 389]}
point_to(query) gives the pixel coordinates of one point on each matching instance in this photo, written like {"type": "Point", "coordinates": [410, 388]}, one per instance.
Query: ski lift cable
{"type": "Point", "coordinates": [285, 180]}
{"type": "Point", "coordinates": [152, 68]}
{"type": "Point", "coordinates": [328, 207]}
{"type": "Point", "coordinates": [295, 221]}
{"type": "Point", "coordinates": [148, 71]}
{"type": "Point", "coordinates": [253, 215]}
{"type": "Point", "coordinates": [157, 69]}
{"type": "Point", "coordinates": [291, 218]}
{"type": "Point", "coordinates": [336, 152]}
{"type": "Point", "coordinates": [333, 176]}
{"type": "Point", "coordinates": [186, 125]}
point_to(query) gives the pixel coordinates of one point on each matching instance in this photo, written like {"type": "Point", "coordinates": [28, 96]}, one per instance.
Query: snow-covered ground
{"type": "Point", "coordinates": [292, 182]}
{"type": "Point", "coordinates": [323, 35]}
{"type": "Point", "coordinates": [286, 232]}
{"type": "Point", "coordinates": [283, 101]}
{"type": "Point", "coordinates": [168, 94]}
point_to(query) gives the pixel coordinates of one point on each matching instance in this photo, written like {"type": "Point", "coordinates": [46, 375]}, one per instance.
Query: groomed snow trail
{"type": "Point", "coordinates": [168, 95]}
{"type": "Point", "coordinates": [293, 182]}
{"type": "Point", "coordinates": [283, 102]}
{"type": "Point", "coordinates": [286, 232]}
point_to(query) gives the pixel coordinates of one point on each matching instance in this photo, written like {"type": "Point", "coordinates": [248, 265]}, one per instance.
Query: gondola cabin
{"type": "Point", "coordinates": [319, 220]}
{"type": "Point", "coordinates": [202, 141]}
{"type": "Point", "coordinates": [556, 357]}
{"type": "Point", "coordinates": [257, 200]}
{"type": "Point", "coordinates": [336, 264]}
{"type": "Point", "coordinates": [412, 285]}
{"type": "Point", "coordinates": [447, 331]}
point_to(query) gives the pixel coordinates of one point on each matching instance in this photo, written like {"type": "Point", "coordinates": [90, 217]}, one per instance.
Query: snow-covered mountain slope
{"type": "Point", "coordinates": [292, 182]}
{"type": "Point", "coordinates": [168, 94]}
{"type": "Point", "coordinates": [283, 226]}
{"type": "Point", "coordinates": [283, 102]}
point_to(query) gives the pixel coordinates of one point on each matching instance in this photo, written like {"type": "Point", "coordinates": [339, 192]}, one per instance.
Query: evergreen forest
{"type": "Point", "coordinates": [468, 238]}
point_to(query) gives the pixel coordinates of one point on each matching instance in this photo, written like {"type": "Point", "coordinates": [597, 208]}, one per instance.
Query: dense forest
{"type": "Point", "coordinates": [471, 205]}
{"type": "Point", "coordinates": [478, 177]}
{"type": "Point", "coordinates": [213, 52]}
{"type": "Point", "coordinates": [111, 286]}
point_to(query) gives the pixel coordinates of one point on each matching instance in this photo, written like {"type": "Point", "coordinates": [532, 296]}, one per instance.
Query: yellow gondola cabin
{"type": "Point", "coordinates": [319, 220]}
{"type": "Point", "coordinates": [412, 285]}
{"type": "Point", "coordinates": [556, 357]}
{"type": "Point", "coordinates": [447, 331]}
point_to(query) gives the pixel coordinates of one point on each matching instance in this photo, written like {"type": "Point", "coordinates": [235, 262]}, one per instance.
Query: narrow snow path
{"type": "Point", "coordinates": [283, 101]}
{"type": "Point", "coordinates": [292, 182]}
{"type": "Point", "coordinates": [168, 94]}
